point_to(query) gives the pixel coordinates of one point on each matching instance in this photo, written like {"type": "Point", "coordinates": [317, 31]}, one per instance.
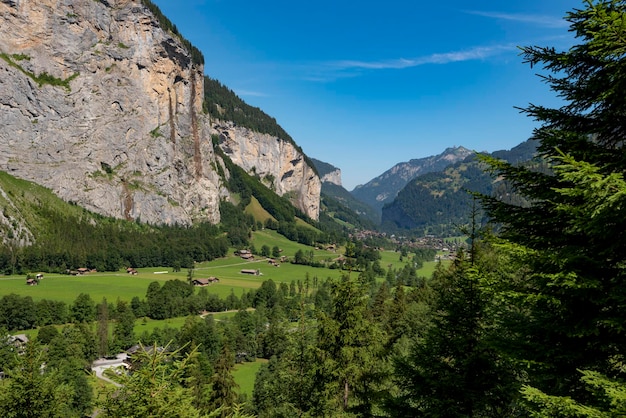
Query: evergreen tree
{"type": "Point", "coordinates": [454, 371]}
{"type": "Point", "coordinates": [348, 367]}
{"type": "Point", "coordinates": [123, 330]}
{"type": "Point", "coordinates": [609, 400]}
{"type": "Point", "coordinates": [102, 328]}
{"type": "Point", "coordinates": [34, 392]}
{"type": "Point", "coordinates": [571, 233]}
{"type": "Point", "coordinates": [223, 395]}
{"type": "Point", "coordinates": [153, 389]}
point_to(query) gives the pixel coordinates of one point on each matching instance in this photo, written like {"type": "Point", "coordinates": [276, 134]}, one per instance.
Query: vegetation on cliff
{"type": "Point", "coordinates": [222, 103]}
{"type": "Point", "coordinates": [196, 55]}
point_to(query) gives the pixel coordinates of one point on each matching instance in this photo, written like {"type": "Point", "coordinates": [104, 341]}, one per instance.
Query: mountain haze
{"type": "Point", "coordinates": [339, 201]}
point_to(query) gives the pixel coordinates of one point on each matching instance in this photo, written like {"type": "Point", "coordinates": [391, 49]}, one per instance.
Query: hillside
{"type": "Point", "coordinates": [105, 104]}
{"type": "Point", "coordinates": [328, 173]}
{"type": "Point", "coordinates": [384, 188]}
{"type": "Point", "coordinates": [338, 203]}
{"type": "Point", "coordinates": [440, 203]}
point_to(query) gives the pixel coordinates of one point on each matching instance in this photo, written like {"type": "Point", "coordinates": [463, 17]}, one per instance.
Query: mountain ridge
{"type": "Point", "coordinates": [440, 203]}
{"type": "Point", "coordinates": [383, 188]}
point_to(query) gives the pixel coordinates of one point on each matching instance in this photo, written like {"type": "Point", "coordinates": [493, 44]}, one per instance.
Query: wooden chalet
{"type": "Point", "coordinates": [205, 282]}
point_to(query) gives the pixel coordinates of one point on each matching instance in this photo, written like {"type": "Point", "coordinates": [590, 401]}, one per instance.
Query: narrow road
{"type": "Point", "coordinates": [100, 365]}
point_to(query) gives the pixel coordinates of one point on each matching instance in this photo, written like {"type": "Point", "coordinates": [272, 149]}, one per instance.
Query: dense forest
{"type": "Point", "coordinates": [528, 321]}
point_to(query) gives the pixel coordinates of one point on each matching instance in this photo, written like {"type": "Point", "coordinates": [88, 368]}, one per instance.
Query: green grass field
{"type": "Point", "coordinates": [114, 285]}
{"type": "Point", "coordinates": [245, 373]}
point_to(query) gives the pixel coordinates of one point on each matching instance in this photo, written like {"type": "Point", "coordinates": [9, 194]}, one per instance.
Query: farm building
{"type": "Point", "coordinates": [250, 271]}
{"type": "Point", "coordinates": [206, 281]}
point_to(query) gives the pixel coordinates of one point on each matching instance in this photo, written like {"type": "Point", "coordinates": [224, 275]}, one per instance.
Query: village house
{"type": "Point", "coordinates": [18, 341]}
{"type": "Point", "coordinates": [250, 271]}
{"type": "Point", "coordinates": [205, 282]}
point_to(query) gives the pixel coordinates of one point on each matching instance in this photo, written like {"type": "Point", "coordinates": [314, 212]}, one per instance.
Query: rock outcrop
{"type": "Point", "coordinates": [333, 177]}
{"type": "Point", "coordinates": [328, 173]}
{"type": "Point", "coordinates": [276, 162]}
{"type": "Point", "coordinates": [104, 107]}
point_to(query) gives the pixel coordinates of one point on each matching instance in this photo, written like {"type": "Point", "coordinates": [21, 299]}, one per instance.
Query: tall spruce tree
{"type": "Point", "coordinates": [349, 374]}
{"type": "Point", "coordinates": [454, 371]}
{"type": "Point", "coordinates": [572, 233]}
{"type": "Point", "coordinates": [223, 386]}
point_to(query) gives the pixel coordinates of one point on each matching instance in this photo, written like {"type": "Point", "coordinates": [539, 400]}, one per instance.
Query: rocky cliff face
{"type": "Point", "coordinates": [328, 173]}
{"type": "Point", "coordinates": [277, 163]}
{"type": "Point", "coordinates": [333, 177]}
{"type": "Point", "coordinates": [101, 105]}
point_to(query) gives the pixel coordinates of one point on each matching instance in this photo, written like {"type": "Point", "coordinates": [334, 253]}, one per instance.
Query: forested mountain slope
{"type": "Point", "coordinates": [384, 188]}
{"type": "Point", "coordinates": [339, 202]}
{"type": "Point", "coordinates": [440, 203]}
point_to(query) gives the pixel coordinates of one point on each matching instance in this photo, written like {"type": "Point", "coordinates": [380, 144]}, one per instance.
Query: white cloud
{"type": "Point", "coordinates": [476, 53]}
{"type": "Point", "coordinates": [539, 20]}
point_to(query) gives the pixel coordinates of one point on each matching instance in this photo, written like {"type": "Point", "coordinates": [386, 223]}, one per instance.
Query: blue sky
{"type": "Point", "coordinates": [365, 85]}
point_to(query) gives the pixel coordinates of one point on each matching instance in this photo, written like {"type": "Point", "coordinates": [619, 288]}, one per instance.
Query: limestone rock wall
{"type": "Point", "coordinates": [276, 162]}
{"type": "Point", "coordinates": [101, 105]}
{"type": "Point", "coordinates": [333, 177]}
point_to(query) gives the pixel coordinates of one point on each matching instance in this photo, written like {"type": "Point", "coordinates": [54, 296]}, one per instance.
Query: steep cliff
{"type": "Point", "coordinates": [276, 162]}
{"type": "Point", "coordinates": [104, 107]}
{"type": "Point", "coordinates": [328, 173]}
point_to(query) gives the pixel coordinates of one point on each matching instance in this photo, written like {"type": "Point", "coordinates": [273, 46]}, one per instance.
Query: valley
{"type": "Point", "coordinates": [147, 209]}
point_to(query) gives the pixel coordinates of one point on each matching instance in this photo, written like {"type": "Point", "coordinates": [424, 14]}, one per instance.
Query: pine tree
{"type": "Point", "coordinates": [153, 389]}
{"type": "Point", "coordinates": [223, 385]}
{"type": "Point", "coordinates": [123, 331]}
{"type": "Point", "coordinates": [571, 234]}
{"type": "Point", "coordinates": [349, 373]}
{"type": "Point", "coordinates": [102, 328]}
{"type": "Point", "coordinates": [31, 391]}
{"type": "Point", "coordinates": [454, 371]}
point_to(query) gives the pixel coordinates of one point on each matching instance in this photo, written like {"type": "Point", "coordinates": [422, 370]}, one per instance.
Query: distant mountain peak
{"type": "Point", "coordinates": [384, 188]}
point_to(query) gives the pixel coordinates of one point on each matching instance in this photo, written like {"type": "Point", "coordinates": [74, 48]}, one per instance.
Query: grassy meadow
{"type": "Point", "coordinates": [245, 374]}
{"type": "Point", "coordinates": [121, 285]}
